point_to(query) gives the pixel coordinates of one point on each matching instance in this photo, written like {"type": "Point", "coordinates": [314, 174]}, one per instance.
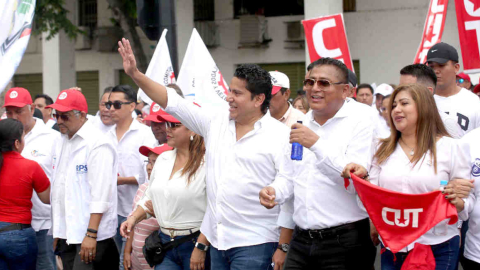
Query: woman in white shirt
{"type": "Point", "coordinates": [414, 159]}
{"type": "Point", "coordinates": [178, 194]}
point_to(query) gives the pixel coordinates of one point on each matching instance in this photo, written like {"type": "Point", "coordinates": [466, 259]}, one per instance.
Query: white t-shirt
{"type": "Point", "coordinates": [465, 106]}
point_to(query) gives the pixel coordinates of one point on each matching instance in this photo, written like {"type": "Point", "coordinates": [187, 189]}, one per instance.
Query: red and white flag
{"type": "Point", "coordinates": [200, 79]}
{"type": "Point", "coordinates": [468, 20]}
{"type": "Point", "coordinates": [433, 29]}
{"type": "Point", "coordinates": [326, 37]}
{"type": "Point", "coordinates": [160, 68]}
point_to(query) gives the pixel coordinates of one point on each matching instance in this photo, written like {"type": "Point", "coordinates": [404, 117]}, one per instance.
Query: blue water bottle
{"type": "Point", "coordinates": [443, 184]}
{"type": "Point", "coordinates": [297, 149]}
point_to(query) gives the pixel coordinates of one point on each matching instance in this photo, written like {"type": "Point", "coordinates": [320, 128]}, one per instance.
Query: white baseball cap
{"type": "Point", "coordinates": [384, 90]}
{"type": "Point", "coordinates": [279, 80]}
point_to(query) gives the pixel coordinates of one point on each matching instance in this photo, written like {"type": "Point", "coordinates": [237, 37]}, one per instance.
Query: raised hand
{"type": "Point", "coordinates": [129, 62]}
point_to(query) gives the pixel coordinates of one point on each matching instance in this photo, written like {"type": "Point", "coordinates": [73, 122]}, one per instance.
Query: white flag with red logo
{"type": "Point", "coordinates": [200, 79]}
{"type": "Point", "coordinates": [326, 37]}
{"type": "Point", "coordinates": [433, 29]}
{"type": "Point", "coordinates": [160, 68]}
{"type": "Point", "coordinates": [468, 21]}
{"type": "Point", "coordinates": [16, 17]}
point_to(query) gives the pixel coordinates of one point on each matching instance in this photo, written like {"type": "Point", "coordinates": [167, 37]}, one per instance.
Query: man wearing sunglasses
{"type": "Point", "coordinates": [127, 135]}
{"type": "Point", "coordinates": [84, 189]}
{"type": "Point", "coordinates": [463, 80]}
{"type": "Point", "coordinates": [39, 146]}
{"type": "Point", "coordinates": [103, 119]}
{"type": "Point", "coordinates": [331, 232]}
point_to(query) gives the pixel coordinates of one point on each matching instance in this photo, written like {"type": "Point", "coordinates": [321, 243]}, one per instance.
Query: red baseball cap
{"type": "Point", "coordinates": [145, 150]}
{"type": "Point", "coordinates": [155, 110]}
{"type": "Point", "coordinates": [464, 76]}
{"type": "Point", "coordinates": [69, 100]}
{"type": "Point", "coordinates": [167, 118]}
{"type": "Point", "coordinates": [17, 97]}
{"type": "Point", "coordinates": [476, 89]}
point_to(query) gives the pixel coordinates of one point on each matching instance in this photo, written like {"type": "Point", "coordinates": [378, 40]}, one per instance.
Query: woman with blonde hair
{"type": "Point", "coordinates": [300, 103]}
{"type": "Point", "coordinates": [414, 159]}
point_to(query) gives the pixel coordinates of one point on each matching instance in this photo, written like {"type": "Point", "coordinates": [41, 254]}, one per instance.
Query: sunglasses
{"type": "Point", "coordinates": [172, 125]}
{"type": "Point", "coordinates": [460, 80]}
{"type": "Point", "coordinates": [309, 83]}
{"type": "Point", "coordinates": [64, 117]}
{"type": "Point", "coordinates": [116, 104]}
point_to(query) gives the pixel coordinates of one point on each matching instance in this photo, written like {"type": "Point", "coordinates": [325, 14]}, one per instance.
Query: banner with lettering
{"type": "Point", "coordinates": [468, 21]}
{"type": "Point", "coordinates": [16, 17]}
{"type": "Point", "coordinates": [326, 37]}
{"type": "Point", "coordinates": [401, 218]}
{"type": "Point", "coordinates": [433, 29]}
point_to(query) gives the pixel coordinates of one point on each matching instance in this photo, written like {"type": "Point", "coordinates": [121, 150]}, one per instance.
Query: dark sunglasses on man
{"type": "Point", "coordinates": [116, 104]}
{"type": "Point", "coordinates": [320, 83]}
{"type": "Point", "coordinates": [64, 117]}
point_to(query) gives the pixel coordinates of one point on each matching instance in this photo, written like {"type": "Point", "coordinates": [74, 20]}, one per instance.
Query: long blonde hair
{"type": "Point", "coordinates": [429, 126]}
{"type": "Point", "coordinates": [196, 151]}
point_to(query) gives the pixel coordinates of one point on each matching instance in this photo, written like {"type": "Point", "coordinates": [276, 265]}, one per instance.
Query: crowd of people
{"type": "Point", "coordinates": [169, 185]}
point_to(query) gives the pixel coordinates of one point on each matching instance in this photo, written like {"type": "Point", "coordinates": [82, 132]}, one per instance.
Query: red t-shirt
{"type": "Point", "coordinates": [18, 178]}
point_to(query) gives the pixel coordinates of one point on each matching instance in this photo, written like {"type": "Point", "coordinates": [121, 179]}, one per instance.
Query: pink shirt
{"type": "Point", "coordinates": [292, 116]}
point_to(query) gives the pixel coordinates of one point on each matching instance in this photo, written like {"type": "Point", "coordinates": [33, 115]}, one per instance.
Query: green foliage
{"type": "Point", "coordinates": [51, 16]}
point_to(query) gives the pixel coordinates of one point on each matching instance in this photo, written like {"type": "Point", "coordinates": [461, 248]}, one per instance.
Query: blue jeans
{"type": "Point", "coordinates": [120, 241]}
{"type": "Point", "coordinates": [179, 257]}
{"type": "Point", "coordinates": [241, 258]}
{"type": "Point", "coordinates": [446, 256]}
{"type": "Point", "coordinates": [45, 257]}
{"type": "Point", "coordinates": [18, 249]}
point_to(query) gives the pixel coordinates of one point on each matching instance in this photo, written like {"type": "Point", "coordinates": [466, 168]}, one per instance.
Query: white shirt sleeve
{"type": "Point", "coordinates": [101, 178]}
{"type": "Point", "coordinates": [285, 217]}
{"type": "Point", "coordinates": [461, 168]}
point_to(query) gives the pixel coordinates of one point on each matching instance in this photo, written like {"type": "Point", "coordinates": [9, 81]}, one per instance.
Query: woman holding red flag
{"type": "Point", "coordinates": [417, 156]}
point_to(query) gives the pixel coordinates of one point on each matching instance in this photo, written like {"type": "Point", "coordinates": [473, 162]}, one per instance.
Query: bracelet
{"type": "Point", "coordinates": [92, 230]}
{"type": "Point", "coordinates": [91, 236]}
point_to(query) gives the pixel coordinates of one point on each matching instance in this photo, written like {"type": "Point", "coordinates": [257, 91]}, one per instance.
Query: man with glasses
{"type": "Point", "coordinates": [103, 119]}
{"type": "Point", "coordinates": [84, 206]}
{"type": "Point", "coordinates": [158, 126]}
{"type": "Point", "coordinates": [127, 135]}
{"type": "Point", "coordinates": [463, 80]}
{"type": "Point", "coordinates": [331, 232]}
{"type": "Point", "coordinates": [39, 146]}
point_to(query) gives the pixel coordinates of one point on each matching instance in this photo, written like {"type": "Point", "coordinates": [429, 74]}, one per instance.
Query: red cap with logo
{"type": "Point", "coordinates": [464, 76]}
{"type": "Point", "coordinates": [145, 150]}
{"type": "Point", "coordinates": [69, 100]}
{"type": "Point", "coordinates": [155, 110]}
{"type": "Point", "coordinates": [17, 97]}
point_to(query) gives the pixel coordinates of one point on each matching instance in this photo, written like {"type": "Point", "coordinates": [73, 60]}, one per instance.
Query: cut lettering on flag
{"type": "Point", "coordinates": [433, 29]}
{"type": "Point", "coordinates": [401, 218]}
{"type": "Point", "coordinates": [468, 21]}
{"type": "Point", "coordinates": [160, 68]}
{"type": "Point", "coordinates": [200, 79]}
{"type": "Point", "coordinates": [15, 28]}
{"type": "Point", "coordinates": [326, 37]}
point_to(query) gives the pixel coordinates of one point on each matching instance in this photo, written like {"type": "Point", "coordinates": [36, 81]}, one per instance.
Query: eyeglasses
{"type": "Point", "coordinates": [116, 104]}
{"type": "Point", "coordinates": [309, 83]}
{"type": "Point", "coordinates": [63, 116]}
{"type": "Point", "coordinates": [173, 125]}
{"type": "Point", "coordinates": [460, 80]}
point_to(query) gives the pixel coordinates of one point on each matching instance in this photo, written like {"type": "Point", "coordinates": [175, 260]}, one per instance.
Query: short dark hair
{"type": "Point", "coordinates": [107, 90]}
{"type": "Point", "coordinates": [258, 82]}
{"type": "Point", "coordinates": [365, 85]}
{"type": "Point", "coordinates": [423, 73]}
{"type": "Point", "coordinates": [48, 99]}
{"type": "Point", "coordinates": [332, 62]}
{"type": "Point", "coordinates": [127, 90]}
{"type": "Point", "coordinates": [10, 131]}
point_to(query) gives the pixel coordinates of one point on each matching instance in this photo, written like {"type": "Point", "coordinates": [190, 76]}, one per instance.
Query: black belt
{"type": "Point", "coordinates": [15, 227]}
{"type": "Point", "coordinates": [333, 231]}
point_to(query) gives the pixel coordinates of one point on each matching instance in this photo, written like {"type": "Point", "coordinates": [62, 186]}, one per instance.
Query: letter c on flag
{"type": "Point", "coordinates": [318, 42]}
{"type": "Point", "coordinates": [385, 210]}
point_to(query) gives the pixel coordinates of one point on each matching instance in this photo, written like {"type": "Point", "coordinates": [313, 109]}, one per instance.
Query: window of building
{"type": "Point", "coordinates": [294, 71]}
{"type": "Point", "coordinates": [356, 66]}
{"type": "Point", "coordinates": [349, 5]}
{"type": "Point", "coordinates": [87, 13]}
{"type": "Point", "coordinates": [269, 8]}
{"type": "Point", "coordinates": [203, 10]}
{"type": "Point", "coordinates": [32, 82]}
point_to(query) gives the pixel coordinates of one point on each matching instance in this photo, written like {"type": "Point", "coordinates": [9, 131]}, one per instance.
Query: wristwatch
{"type": "Point", "coordinates": [201, 246]}
{"type": "Point", "coordinates": [284, 247]}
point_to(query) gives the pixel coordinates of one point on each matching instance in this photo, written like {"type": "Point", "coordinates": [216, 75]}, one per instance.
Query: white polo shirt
{"type": "Point", "coordinates": [40, 147]}
{"type": "Point", "coordinates": [131, 162]}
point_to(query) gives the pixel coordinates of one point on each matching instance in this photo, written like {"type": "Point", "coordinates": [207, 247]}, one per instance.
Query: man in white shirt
{"type": "Point", "coordinates": [103, 119]}
{"type": "Point", "coordinates": [39, 146]}
{"type": "Point", "coordinates": [423, 74]}
{"type": "Point", "coordinates": [365, 94]}
{"type": "Point", "coordinates": [280, 108]}
{"type": "Point", "coordinates": [84, 190]}
{"type": "Point", "coordinates": [246, 149]}
{"type": "Point", "coordinates": [128, 136]}
{"type": "Point", "coordinates": [159, 127]}
{"type": "Point", "coordinates": [449, 97]}
{"type": "Point", "coordinates": [331, 231]}
{"type": "Point", "coordinates": [41, 103]}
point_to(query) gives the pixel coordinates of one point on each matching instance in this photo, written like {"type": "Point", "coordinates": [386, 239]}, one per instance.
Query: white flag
{"type": "Point", "coordinates": [16, 19]}
{"type": "Point", "coordinates": [200, 79]}
{"type": "Point", "coordinates": [160, 68]}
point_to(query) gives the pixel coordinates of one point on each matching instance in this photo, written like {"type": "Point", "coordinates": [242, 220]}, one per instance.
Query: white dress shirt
{"type": "Point", "coordinates": [97, 122]}
{"type": "Point", "coordinates": [84, 183]}
{"type": "Point", "coordinates": [236, 172]}
{"type": "Point", "coordinates": [176, 204]}
{"type": "Point", "coordinates": [40, 147]}
{"type": "Point", "coordinates": [321, 200]}
{"type": "Point", "coordinates": [131, 162]}
{"type": "Point", "coordinates": [50, 123]}
{"type": "Point", "coordinates": [291, 116]}
{"type": "Point", "coordinates": [398, 174]}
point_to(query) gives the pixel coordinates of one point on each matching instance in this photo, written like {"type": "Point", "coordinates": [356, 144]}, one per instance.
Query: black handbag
{"type": "Point", "coordinates": [154, 250]}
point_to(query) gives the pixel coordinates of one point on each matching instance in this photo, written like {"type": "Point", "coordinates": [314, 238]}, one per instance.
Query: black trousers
{"type": "Point", "coordinates": [469, 264]}
{"type": "Point", "coordinates": [338, 248]}
{"type": "Point", "coordinates": [106, 257]}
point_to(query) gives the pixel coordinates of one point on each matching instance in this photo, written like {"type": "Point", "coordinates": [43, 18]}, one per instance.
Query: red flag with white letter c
{"type": "Point", "coordinates": [402, 218]}
{"type": "Point", "coordinates": [468, 21]}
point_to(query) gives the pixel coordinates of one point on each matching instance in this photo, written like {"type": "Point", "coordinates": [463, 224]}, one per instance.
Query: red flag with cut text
{"type": "Point", "coordinates": [433, 29]}
{"type": "Point", "coordinates": [468, 21]}
{"type": "Point", "coordinates": [326, 37]}
{"type": "Point", "coordinates": [402, 218]}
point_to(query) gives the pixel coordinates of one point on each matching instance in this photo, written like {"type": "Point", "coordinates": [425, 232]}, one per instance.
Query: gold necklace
{"type": "Point", "coordinates": [411, 151]}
